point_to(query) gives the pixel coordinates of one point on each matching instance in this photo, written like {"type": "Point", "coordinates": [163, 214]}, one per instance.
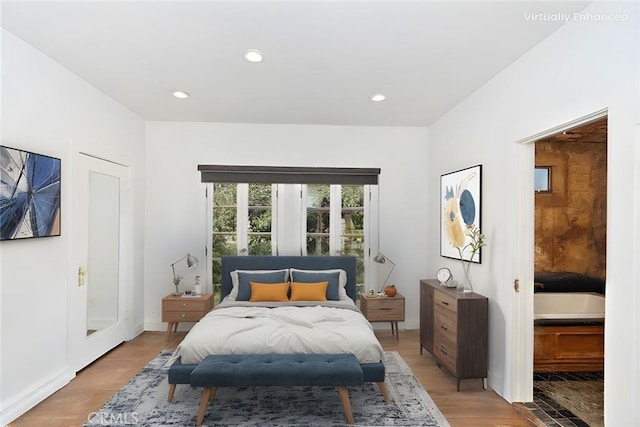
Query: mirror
{"type": "Point", "coordinates": [104, 251]}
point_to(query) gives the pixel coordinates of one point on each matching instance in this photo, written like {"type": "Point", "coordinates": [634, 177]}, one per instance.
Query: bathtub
{"type": "Point", "coordinates": [568, 307]}
{"type": "Point", "coordinates": [568, 332]}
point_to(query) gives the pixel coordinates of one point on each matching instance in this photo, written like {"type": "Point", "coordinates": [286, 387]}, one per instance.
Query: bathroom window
{"type": "Point", "coordinates": [542, 179]}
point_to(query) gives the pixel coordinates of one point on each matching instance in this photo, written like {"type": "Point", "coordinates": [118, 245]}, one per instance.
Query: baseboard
{"type": "Point", "coordinates": [496, 383]}
{"type": "Point", "coordinates": [137, 330]}
{"type": "Point", "coordinates": [20, 404]}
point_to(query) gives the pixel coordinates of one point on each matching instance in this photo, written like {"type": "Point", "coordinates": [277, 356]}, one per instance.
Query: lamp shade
{"type": "Point", "coordinates": [192, 261]}
{"type": "Point", "coordinates": [380, 258]}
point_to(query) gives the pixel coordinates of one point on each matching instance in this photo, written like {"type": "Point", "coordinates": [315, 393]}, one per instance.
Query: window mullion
{"type": "Point", "coordinates": [303, 220]}
{"type": "Point", "coordinates": [370, 234]}
{"type": "Point", "coordinates": [209, 236]}
{"type": "Point", "coordinates": [275, 204]}
{"type": "Point", "coordinates": [243, 219]}
{"type": "Point", "coordinates": [335, 220]}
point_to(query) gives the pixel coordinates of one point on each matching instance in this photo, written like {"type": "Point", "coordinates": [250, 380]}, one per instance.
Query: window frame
{"type": "Point", "coordinates": [289, 181]}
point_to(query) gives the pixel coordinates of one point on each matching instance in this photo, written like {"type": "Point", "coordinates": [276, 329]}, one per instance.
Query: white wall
{"type": "Point", "coordinates": [582, 68]}
{"type": "Point", "coordinates": [175, 219]}
{"type": "Point", "coordinates": [48, 110]}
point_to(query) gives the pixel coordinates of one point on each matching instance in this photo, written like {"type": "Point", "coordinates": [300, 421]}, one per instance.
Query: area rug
{"type": "Point", "coordinates": [568, 398]}
{"type": "Point", "coordinates": [143, 402]}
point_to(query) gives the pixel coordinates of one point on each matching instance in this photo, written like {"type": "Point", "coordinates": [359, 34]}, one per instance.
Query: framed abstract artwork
{"type": "Point", "coordinates": [29, 194]}
{"type": "Point", "coordinates": [460, 202]}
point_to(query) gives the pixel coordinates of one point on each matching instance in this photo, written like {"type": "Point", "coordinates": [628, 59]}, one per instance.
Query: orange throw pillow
{"type": "Point", "coordinates": [262, 292]}
{"type": "Point", "coordinates": [309, 291]}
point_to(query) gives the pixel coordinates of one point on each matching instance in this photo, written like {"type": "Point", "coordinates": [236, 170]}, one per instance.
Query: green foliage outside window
{"type": "Point", "coordinates": [259, 238]}
{"type": "Point", "coordinates": [260, 216]}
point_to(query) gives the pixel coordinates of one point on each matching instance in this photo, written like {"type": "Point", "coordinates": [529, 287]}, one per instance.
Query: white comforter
{"type": "Point", "coordinates": [244, 328]}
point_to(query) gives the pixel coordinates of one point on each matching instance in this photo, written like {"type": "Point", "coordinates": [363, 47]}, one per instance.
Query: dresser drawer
{"type": "Point", "coordinates": [182, 316]}
{"type": "Point", "coordinates": [446, 302]}
{"type": "Point", "coordinates": [445, 350]}
{"type": "Point", "coordinates": [444, 325]}
{"type": "Point", "coordinates": [185, 305]}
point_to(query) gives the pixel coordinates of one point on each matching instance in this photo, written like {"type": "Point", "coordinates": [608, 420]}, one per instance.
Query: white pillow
{"type": "Point", "coordinates": [234, 280]}
{"type": "Point", "coordinates": [342, 279]}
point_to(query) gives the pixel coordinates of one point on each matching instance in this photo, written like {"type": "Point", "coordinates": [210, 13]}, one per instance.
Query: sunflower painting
{"type": "Point", "coordinates": [460, 204]}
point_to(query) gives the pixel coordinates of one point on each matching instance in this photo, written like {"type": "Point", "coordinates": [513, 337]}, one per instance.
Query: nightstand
{"type": "Point", "coordinates": [383, 309]}
{"type": "Point", "coordinates": [176, 309]}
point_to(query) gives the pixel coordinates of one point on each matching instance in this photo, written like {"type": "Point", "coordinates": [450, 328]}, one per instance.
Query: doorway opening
{"type": "Point", "coordinates": [570, 275]}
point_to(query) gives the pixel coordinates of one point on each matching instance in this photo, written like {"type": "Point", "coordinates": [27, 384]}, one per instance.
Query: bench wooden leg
{"type": "Point", "coordinates": [346, 403]}
{"type": "Point", "coordinates": [172, 388]}
{"type": "Point", "coordinates": [204, 401]}
{"type": "Point", "coordinates": [385, 393]}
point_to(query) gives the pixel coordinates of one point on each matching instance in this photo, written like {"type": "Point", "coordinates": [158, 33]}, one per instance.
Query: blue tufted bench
{"type": "Point", "coordinates": [253, 370]}
{"type": "Point", "coordinates": [180, 373]}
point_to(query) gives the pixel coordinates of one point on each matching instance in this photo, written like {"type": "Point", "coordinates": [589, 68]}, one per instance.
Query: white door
{"type": "Point", "coordinates": [97, 298]}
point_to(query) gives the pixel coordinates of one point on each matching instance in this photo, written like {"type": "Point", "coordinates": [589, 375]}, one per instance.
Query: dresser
{"type": "Point", "coordinates": [383, 309]}
{"type": "Point", "coordinates": [454, 329]}
{"type": "Point", "coordinates": [176, 309]}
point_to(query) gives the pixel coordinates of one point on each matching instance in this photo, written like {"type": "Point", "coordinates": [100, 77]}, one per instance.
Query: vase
{"type": "Point", "coordinates": [464, 285]}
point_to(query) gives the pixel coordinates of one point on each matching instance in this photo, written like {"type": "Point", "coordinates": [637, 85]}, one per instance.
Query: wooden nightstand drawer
{"type": "Point", "coordinates": [384, 309]}
{"type": "Point", "coordinates": [182, 316]}
{"type": "Point", "coordinates": [184, 305]}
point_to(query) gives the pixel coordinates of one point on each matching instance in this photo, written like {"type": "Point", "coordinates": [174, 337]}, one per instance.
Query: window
{"type": "Point", "coordinates": [312, 211]}
{"type": "Point", "coordinates": [542, 179]}
{"type": "Point", "coordinates": [260, 218]}
{"type": "Point", "coordinates": [242, 217]}
{"type": "Point", "coordinates": [335, 222]}
{"type": "Point", "coordinates": [318, 215]}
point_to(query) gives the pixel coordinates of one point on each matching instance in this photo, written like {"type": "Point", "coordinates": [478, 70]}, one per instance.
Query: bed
{"type": "Point", "coordinates": [238, 326]}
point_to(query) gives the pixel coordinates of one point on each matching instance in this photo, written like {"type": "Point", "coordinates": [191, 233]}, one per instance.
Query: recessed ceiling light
{"type": "Point", "coordinates": [253, 55]}
{"type": "Point", "coordinates": [180, 94]}
{"type": "Point", "coordinates": [377, 97]}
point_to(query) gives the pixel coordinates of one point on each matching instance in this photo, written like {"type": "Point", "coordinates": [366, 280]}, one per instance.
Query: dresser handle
{"type": "Point", "coordinates": [444, 327]}
{"type": "Point", "coordinates": [385, 308]}
{"type": "Point", "coordinates": [184, 304]}
{"type": "Point", "coordinates": [444, 303]}
{"type": "Point", "coordinates": [184, 315]}
{"type": "Point", "coordinates": [443, 351]}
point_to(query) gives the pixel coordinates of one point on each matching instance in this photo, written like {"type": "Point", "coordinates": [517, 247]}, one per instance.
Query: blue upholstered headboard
{"type": "Point", "coordinates": [231, 263]}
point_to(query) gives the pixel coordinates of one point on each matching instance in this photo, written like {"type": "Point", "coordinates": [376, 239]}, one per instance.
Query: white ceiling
{"type": "Point", "coordinates": [323, 59]}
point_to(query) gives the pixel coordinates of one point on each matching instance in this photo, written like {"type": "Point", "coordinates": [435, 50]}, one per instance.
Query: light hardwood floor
{"type": "Point", "coordinates": [94, 385]}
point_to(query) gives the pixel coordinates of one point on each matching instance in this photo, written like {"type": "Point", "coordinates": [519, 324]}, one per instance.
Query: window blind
{"type": "Point", "coordinates": [288, 175]}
